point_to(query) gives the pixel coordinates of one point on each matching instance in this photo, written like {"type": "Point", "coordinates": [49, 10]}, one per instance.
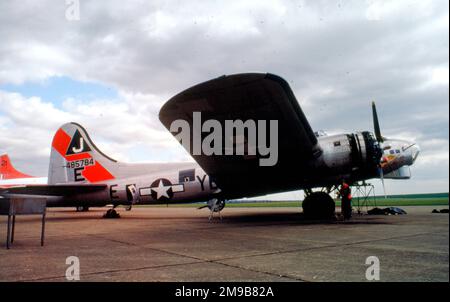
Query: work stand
{"type": "Point", "coordinates": [364, 195]}
{"type": "Point", "coordinates": [22, 206]}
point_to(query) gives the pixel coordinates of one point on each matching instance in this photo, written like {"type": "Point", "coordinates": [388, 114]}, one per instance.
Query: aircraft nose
{"type": "Point", "coordinates": [415, 150]}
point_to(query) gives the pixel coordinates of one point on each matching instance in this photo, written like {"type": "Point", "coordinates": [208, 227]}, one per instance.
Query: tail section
{"type": "Point", "coordinates": [7, 170]}
{"type": "Point", "coordinates": [74, 158]}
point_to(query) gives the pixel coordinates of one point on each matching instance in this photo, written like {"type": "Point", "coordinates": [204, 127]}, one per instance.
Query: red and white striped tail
{"type": "Point", "coordinates": [74, 158]}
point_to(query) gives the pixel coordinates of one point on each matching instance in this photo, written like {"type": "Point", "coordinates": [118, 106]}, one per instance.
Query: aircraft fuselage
{"type": "Point", "coordinates": [353, 156]}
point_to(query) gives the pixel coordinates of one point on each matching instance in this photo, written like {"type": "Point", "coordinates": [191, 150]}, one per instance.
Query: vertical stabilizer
{"type": "Point", "coordinates": [7, 170]}
{"type": "Point", "coordinates": [74, 158]}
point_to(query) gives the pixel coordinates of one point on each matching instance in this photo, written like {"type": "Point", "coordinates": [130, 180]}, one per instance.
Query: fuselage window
{"type": "Point", "coordinates": [186, 175]}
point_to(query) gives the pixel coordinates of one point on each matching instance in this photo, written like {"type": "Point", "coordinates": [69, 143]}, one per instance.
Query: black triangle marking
{"type": "Point", "coordinates": [78, 144]}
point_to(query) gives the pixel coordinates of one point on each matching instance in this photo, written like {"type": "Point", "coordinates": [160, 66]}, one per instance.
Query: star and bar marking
{"type": "Point", "coordinates": [161, 189]}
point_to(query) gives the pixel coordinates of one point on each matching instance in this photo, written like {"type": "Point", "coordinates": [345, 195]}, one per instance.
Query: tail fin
{"type": "Point", "coordinates": [7, 170]}
{"type": "Point", "coordinates": [75, 158]}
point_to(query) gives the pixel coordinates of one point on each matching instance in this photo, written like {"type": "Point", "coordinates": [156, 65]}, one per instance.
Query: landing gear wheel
{"type": "Point", "coordinates": [215, 205]}
{"type": "Point", "coordinates": [111, 213]}
{"type": "Point", "coordinates": [319, 205]}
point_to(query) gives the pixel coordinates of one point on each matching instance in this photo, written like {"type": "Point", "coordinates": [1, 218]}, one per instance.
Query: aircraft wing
{"type": "Point", "coordinates": [52, 190]}
{"type": "Point", "coordinates": [245, 97]}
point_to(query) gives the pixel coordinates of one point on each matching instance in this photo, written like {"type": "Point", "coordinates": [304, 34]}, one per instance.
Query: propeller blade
{"type": "Point", "coordinates": [376, 124]}
{"type": "Point", "coordinates": [380, 171]}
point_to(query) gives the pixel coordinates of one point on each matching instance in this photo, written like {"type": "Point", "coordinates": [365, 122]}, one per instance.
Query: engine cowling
{"type": "Point", "coordinates": [355, 154]}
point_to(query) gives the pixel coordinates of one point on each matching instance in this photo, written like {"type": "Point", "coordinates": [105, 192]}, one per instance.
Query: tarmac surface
{"type": "Point", "coordinates": [249, 244]}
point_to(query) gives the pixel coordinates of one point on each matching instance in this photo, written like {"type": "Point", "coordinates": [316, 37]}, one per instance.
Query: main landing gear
{"type": "Point", "coordinates": [318, 205]}
{"type": "Point", "coordinates": [215, 205]}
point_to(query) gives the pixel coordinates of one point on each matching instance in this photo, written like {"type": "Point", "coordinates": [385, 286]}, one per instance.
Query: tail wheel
{"type": "Point", "coordinates": [216, 205]}
{"type": "Point", "coordinates": [319, 205]}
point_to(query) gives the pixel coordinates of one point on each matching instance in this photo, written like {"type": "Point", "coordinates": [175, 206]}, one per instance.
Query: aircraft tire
{"type": "Point", "coordinates": [319, 205]}
{"type": "Point", "coordinates": [111, 213]}
{"type": "Point", "coordinates": [216, 205]}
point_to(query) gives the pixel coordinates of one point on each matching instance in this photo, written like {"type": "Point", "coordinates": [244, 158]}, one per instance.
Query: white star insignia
{"type": "Point", "coordinates": [161, 190]}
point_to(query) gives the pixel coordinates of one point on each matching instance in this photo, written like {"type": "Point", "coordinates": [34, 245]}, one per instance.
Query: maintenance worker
{"type": "Point", "coordinates": [346, 199]}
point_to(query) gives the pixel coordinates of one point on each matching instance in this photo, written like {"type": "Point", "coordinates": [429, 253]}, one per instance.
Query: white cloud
{"type": "Point", "coordinates": [116, 126]}
{"type": "Point", "coordinates": [439, 76]}
{"type": "Point", "coordinates": [334, 56]}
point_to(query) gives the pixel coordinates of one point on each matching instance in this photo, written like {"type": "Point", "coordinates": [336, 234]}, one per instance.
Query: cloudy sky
{"type": "Point", "coordinates": [114, 64]}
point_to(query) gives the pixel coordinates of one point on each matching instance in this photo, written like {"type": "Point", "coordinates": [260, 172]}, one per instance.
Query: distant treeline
{"type": "Point", "coordinates": [413, 196]}
{"type": "Point", "coordinates": [400, 196]}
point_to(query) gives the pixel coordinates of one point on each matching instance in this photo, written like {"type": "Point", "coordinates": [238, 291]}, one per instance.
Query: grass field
{"type": "Point", "coordinates": [379, 201]}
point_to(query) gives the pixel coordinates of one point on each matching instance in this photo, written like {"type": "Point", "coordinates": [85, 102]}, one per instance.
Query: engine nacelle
{"type": "Point", "coordinates": [356, 154]}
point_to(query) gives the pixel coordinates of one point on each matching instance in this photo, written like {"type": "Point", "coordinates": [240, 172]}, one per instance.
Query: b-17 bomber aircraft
{"type": "Point", "coordinates": [80, 175]}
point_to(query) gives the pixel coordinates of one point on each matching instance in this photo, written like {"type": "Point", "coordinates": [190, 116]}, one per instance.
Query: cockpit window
{"type": "Point", "coordinates": [392, 152]}
{"type": "Point", "coordinates": [397, 151]}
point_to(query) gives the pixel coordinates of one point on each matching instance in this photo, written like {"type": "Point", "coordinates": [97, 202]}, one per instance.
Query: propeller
{"type": "Point", "coordinates": [380, 139]}
{"type": "Point", "coordinates": [376, 124]}
{"type": "Point", "coordinates": [380, 172]}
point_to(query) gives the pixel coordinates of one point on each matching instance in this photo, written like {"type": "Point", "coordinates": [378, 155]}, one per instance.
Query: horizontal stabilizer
{"type": "Point", "coordinates": [53, 190]}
